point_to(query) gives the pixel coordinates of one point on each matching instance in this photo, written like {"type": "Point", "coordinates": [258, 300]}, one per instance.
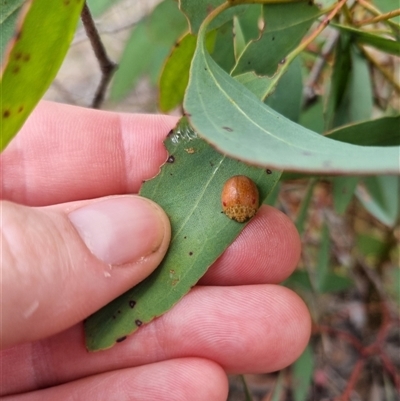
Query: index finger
{"type": "Point", "coordinates": [65, 153]}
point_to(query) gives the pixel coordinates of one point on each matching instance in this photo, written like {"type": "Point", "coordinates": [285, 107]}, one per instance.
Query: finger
{"type": "Point", "coordinates": [66, 153]}
{"type": "Point", "coordinates": [61, 263]}
{"type": "Point", "coordinates": [253, 329]}
{"type": "Point", "coordinates": [176, 380]}
{"type": "Point", "coordinates": [266, 251]}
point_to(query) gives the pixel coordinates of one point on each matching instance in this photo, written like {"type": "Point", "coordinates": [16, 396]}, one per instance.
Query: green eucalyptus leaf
{"type": "Point", "coordinates": [381, 197]}
{"type": "Point", "coordinates": [223, 53]}
{"type": "Point", "coordinates": [197, 10]}
{"type": "Point", "coordinates": [285, 26]}
{"type": "Point", "coordinates": [343, 192]}
{"type": "Point", "coordinates": [287, 97]}
{"type": "Point", "coordinates": [166, 24]}
{"type": "Point", "coordinates": [45, 30]}
{"type": "Point", "coordinates": [150, 43]}
{"type": "Point", "coordinates": [9, 11]}
{"type": "Point", "coordinates": [368, 38]}
{"type": "Point", "coordinates": [303, 370]}
{"type": "Point", "coordinates": [98, 7]}
{"type": "Point", "coordinates": [236, 122]}
{"type": "Point", "coordinates": [188, 188]}
{"type": "Point", "coordinates": [175, 74]}
{"type": "Point", "coordinates": [132, 64]}
{"type": "Point", "coordinates": [380, 132]}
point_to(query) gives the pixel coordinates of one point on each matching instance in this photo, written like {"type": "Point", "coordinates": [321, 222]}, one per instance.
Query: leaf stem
{"type": "Point", "coordinates": [382, 17]}
{"type": "Point", "coordinates": [303, 45]}
{"type": "Point", "coordinates": [373, 10]}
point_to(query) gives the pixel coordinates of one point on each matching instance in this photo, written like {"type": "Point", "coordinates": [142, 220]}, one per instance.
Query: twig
{"type": "Point", "coordinates": [373, 10]}
{"type": "Point", "coordinates": [107, 66]}
{"type": "Point", "coordinates": [352, 380]}
{"type": "Point", "coordinates": [308, 91]}
{"type": "Point", "coordinates": [382, 17]}
{"type": "Point", "coordinates": [381, 69]}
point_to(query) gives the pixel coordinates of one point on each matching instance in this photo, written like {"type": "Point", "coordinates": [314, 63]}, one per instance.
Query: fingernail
{"type": "Point", "coordinates": [120, 230]}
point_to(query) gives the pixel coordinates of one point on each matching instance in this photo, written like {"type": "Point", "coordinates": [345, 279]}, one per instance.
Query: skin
{"type": "Point", "coordinates": [236, 320]}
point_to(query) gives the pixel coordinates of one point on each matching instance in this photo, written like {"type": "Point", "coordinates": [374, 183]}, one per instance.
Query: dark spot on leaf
{"type": "Point", "coordinates": [273, 37]}
{"type": "Point", "coordinates": [20, 109]}
{"type": "Point", "coordinates": [305, 153]}
{"type": "Point", "coordinates": [190, 253]}
{"type": "Point", "coordinates": [184, 237]}
{"type": "Point", "coordinates": [229, 129]}
{"type": "Point", "coordinates": [177, 44]}
{"type": "Point", "coordinates": [15, 70]}
{"type": "Point", "coordinates": [211, 164]}
{"type": "Point", "coordinates": [26, 57]}
{"type": "Point", "coordinates": [119, 311]}
{"type": "Point", "coordinates": [6, 113]}
{"type": "Point", "coordinates": [132, 304]}
{"type": "Point", "coordinates": [209, 8]}
{"type": "Point", "coordinates": [18, 55]}
{"type": "Point", "coordinates": [114, 317]}
{"type": "Point", "coordinates": [18, 35]}
{"type": "Point", "coordinates": [171, 159]}
{"type": "Point", "coordinates": [170, 174]}
{"type": "Point", "coordinates": [119, 340]}
{"type": "Point", "coordinates": [66, 2]}
{"type": "Point", "coordinates": [269, 171]}
{"type": "Point", "coordinates": [138, 322]}
{"type": "Point", "coordinates": [283, 61]}
{"type": "Point", "coordinates": [249, 62]}
{"type": "Point", "coordinates": [205, 68]}
{"type": "Point", "coordinates": [310, 3]}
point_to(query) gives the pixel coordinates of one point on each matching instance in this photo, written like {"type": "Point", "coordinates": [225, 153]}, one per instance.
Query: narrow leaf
{"type": "Point", "coordinates": [379, 42]}
{"type": "Point", "coordinates": [188, 188]}
{"type": "Point", "coordinates": [303, 370]}
{"type": "Point", "coordinates": [44, 33]}
{"type": "Point", "coordinates": [380, 196]}
{"type": "Point", "coordinates": [343, 192]}
{"type": "Point", "coordinates": [380, 132]}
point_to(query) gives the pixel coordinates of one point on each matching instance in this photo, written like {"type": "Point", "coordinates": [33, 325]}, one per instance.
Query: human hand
{"type": "Point", "coordinates": [236, 320]}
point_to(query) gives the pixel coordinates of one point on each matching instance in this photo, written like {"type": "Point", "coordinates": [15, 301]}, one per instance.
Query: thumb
{"type": "Point", "coordinates": [61, 263]}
